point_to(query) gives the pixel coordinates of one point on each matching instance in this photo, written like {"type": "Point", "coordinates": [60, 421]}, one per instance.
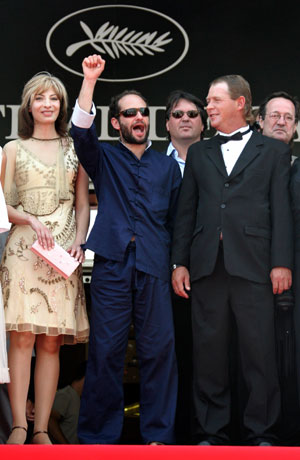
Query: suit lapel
{"type": "Point", "coordinates": [251, 150]}
{"type": "Point", "coordinates": [214, 152]}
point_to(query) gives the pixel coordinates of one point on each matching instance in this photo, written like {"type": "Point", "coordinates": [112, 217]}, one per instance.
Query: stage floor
{"type": "Point", "coordinates": [135, 452]}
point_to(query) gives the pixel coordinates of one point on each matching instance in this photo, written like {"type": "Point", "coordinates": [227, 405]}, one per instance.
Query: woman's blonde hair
{"type": "Point", "coordinates": [39, 83]}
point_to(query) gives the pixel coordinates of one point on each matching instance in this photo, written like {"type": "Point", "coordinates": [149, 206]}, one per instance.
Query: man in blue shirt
{"type": "Point", "coordinates": [186, 122]}
{"type": "Point", "coordinates": [137, 191]}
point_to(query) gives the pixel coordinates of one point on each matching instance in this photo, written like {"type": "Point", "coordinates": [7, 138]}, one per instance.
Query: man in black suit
{"type": "Point", "coordinates": [233, 234]}
{"type": "Point", "coordinates": [278, 116]}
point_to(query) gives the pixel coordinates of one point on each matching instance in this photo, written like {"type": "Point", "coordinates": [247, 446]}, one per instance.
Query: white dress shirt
{"type": "Point", "coordinates": [231, 150]}
{"type": "Point", "coordinates": [81, 118]}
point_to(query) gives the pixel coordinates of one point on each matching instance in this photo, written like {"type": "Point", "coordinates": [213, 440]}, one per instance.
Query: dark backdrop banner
{"type": "Point", "coordinates": [154, 47]}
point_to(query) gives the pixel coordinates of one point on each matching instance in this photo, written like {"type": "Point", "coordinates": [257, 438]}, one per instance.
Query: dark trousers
{"type": "Point", "coordinates": [121, 295]}
{"type": "Point", "coordinates": [184, 354]}
{"type": "Point", "coordinates": [217, 300]}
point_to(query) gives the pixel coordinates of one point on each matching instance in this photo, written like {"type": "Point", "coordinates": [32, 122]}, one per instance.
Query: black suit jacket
{"type": "Point", "coordinates": [251, 207]}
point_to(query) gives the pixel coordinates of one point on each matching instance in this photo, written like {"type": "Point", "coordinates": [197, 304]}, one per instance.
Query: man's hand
{"type": "Point", "coordinates": [281, 278]}
{"type": "Point", "coordinates": [77, 252]}
{"type": "Point", "coordinates": [93, 67]}
{"type": "Point", "coordinates": [181, 281]}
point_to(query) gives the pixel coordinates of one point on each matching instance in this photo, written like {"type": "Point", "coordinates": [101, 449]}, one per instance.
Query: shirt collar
{"type": "Point", "coordinates": [244, 128]}
{"type": "Point", "coordinates": [170, 149]}
{"type": "Point", "coordinates": [149, 143]}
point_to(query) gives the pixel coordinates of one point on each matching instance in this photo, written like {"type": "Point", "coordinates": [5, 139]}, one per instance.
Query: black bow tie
{"type": "Point", "coordinates": [235, 137]}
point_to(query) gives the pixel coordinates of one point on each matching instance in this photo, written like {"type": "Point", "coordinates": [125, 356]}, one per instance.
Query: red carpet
{"type": "Point", "coordinates": [148, 452]}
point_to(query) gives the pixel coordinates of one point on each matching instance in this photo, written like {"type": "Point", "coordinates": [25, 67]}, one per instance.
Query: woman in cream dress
{"type": "Point", "coordinates": [44, 183]}
{"type": "Point", "coordinates": [4, 227]}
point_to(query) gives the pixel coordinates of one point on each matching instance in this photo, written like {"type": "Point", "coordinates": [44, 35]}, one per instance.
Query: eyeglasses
{"type": "Point", "coordinates": [275, 116]}
{"type": "Point", "coordinates": [190, 113]}
{"type": "Point", "coordinates": [128, 113]}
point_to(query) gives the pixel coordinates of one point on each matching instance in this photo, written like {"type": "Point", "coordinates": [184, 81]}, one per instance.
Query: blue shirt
{"type": "Point", "coordinates": [135, 198]}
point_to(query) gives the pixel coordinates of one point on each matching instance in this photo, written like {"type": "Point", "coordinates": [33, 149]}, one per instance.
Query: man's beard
{"type": "Point", "coordinates": [129, 138]}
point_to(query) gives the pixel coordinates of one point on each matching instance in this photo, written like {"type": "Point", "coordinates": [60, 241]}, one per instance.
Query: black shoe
{"type": "Point", "coordinates": [263, 442]}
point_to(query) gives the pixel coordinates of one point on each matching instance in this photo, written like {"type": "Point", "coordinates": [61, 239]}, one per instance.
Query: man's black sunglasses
{"type": "Point", "coordinates": [144, 111]}
{"type": "Point", "coordinates": [180, 113]}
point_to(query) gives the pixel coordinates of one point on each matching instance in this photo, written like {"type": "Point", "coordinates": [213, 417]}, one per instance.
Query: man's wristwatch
{"type": "Point", "coordinates": [174, 266]}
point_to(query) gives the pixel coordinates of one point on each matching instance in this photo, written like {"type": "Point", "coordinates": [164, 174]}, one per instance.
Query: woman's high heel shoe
{"type": "Point", "coordinates": [41, 439]}
{"type": "Point", "coordinates": [16, 438]}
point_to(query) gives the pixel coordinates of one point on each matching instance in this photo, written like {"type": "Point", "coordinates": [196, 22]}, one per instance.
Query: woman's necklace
{"type": "Point", "coordinates": [45, 140]}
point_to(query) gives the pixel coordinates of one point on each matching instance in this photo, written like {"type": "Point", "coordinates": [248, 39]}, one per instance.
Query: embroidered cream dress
{"type": "Point", "coordinates": [36, 298]}
{"type": "Point", "coordinates": [4, 227]}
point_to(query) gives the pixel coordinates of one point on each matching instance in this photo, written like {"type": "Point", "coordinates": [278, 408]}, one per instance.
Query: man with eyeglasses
{"type": "Point", "coordinates": [232, 250]}
{"type": "Point", "coordinates": [137, 191]}
{"type": "Point", "coordinates": [186, 122]}
{"type": "Point", "coordinates": [278, 116]}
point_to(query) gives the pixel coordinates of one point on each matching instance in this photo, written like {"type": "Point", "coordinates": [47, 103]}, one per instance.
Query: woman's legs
{"type": "Point", "coordinates": [45, 383]}
{"type": "Point", "coordinates": [19, 361]}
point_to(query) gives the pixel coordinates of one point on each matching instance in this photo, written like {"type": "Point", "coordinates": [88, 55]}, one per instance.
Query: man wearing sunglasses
{"type": "Point", "coordinates": [137, 191]}
{"type": "Point", "coordinates": [233, 249]}
{"type": "Point", "coordinates": [186, 122]}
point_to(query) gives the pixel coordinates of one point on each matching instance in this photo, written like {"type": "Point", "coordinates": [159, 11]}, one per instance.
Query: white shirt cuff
{"type": "Point", "coordinates": [81, 118]}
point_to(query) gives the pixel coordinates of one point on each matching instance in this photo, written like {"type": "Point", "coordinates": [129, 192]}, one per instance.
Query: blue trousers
{"type": "Point", "coordinates": [120, 295]}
